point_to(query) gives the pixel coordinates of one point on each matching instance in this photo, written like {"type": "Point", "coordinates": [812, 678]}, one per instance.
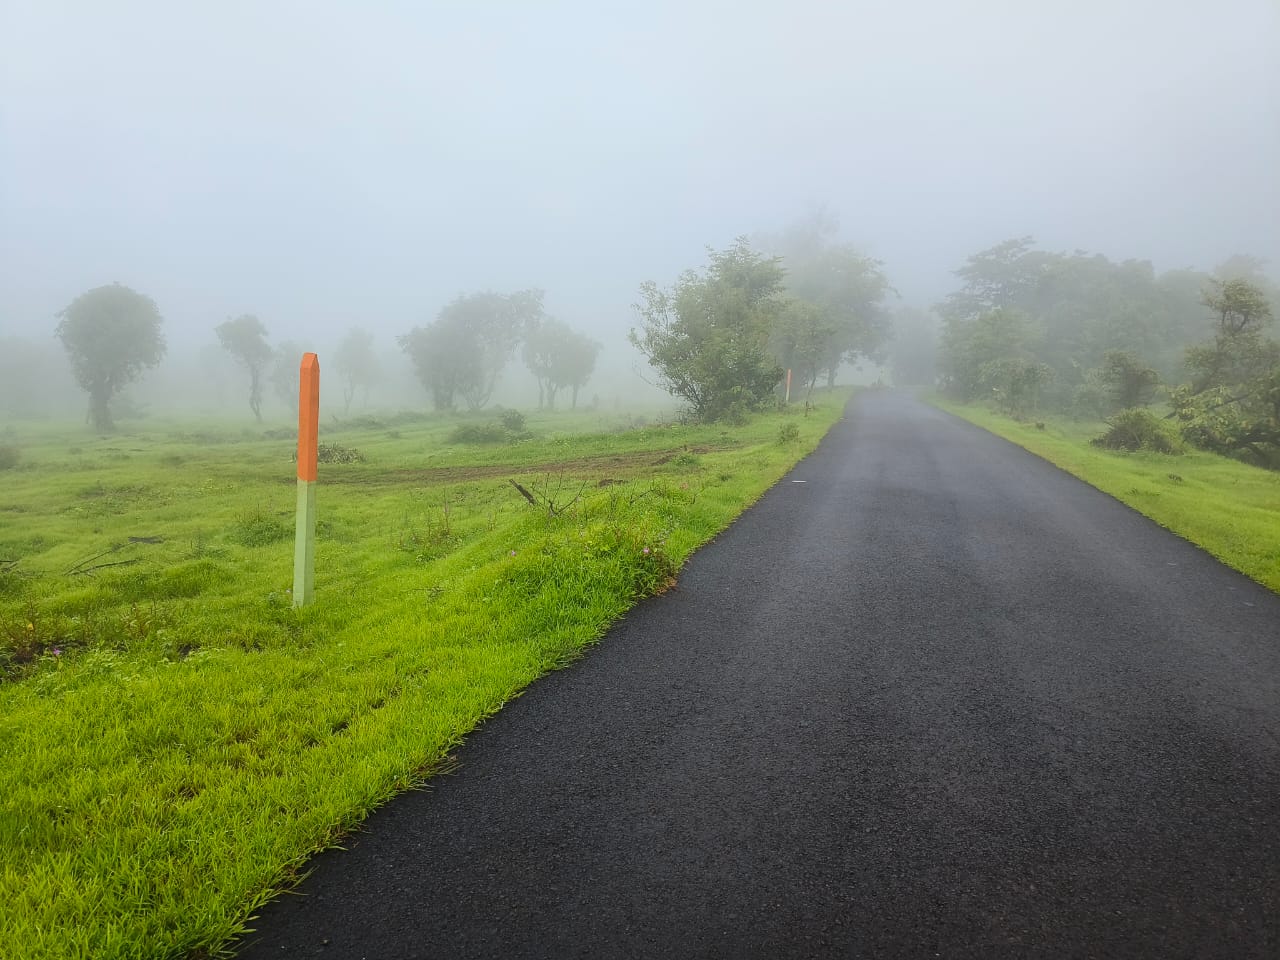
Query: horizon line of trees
{"type": "Point", "coordinates": [1079, 334]}
{"type": "Point", "coordinates": [112, 334]}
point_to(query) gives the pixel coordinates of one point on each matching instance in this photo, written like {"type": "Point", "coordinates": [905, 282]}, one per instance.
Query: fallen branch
{"type": "Point", "coordinates": [524, 493]}
{"type": "Point", "coordinates": [83, 565]}
{"type": "Point", "coordinates": [100, 566]}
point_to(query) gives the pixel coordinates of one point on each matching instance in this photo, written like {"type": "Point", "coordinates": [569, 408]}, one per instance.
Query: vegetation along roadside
{"type": "Point", "coordinates": [176, 738]}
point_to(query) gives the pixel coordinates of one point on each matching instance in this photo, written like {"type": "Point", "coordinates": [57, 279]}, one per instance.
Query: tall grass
{"type": "Point", "coordinates": [176, 739]}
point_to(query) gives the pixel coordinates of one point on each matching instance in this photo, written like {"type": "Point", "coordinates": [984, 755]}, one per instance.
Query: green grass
{"type": "Point", "coordinates": [1229, 508]}
{"type": "Point", "coordinates": [176, 739]}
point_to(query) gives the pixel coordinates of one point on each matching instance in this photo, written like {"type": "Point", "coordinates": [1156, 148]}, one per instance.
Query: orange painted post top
{"type": "Point", "coordinates": [308, 416]}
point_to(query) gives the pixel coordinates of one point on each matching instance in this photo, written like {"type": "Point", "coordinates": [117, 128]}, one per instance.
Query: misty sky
{"type": "Point", "coordinates": [349, 163]}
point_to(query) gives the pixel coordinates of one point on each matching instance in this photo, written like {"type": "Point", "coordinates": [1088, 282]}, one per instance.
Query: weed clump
{"type": "Point", "coordinates": [259, 530]}
{"type": "Point", "coordinates": [1139, 429]}
{"type": "Point", "coordinates": [509, 429]}
{"type": "Point", "coordinates": [335, 453]}
{"type": "Point", "coordinates": [788, 433]}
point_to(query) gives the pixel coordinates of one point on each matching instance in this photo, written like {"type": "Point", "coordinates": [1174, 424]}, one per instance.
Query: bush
{"type": "Point", "coordinates": [336, 453]}
{"type": "Point", "coordinates": [509, 430]}
{"type": "Point", "coordinates": [1139, 429]}
{"type": "Point", "coordinates": [788, 433]}
{"type": "Point", "coordinates": [9, 456]}
{"type": "Point", "coordinates": [478, 433]}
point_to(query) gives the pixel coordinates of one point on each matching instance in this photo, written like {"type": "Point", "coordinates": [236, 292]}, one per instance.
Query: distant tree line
{"type": "Point", "coordinates": [1080, 334]}
{"type": "Point", "coordinates": [113, 334]}
{"type": "Point", "coordinates": [460, 354]}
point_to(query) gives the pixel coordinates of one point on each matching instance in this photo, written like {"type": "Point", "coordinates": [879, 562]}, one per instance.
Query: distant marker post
{"type": "Point", "coordinates": [304, 545]}
{"type": "Point", "coordinates": [788, 400]}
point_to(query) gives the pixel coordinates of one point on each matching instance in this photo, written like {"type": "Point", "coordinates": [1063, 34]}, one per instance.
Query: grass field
{"type": "Point", "coordinates": [1230, 509]}
{"type": "Point", "coordinates": [176, 738]}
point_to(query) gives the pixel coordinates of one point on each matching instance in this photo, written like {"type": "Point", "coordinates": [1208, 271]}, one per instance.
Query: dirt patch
{"type": "Point", "coordinates": [610, 464]}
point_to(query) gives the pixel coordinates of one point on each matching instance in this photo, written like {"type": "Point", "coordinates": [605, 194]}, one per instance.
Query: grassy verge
{"type": "Point", "coordinates": [1230, 509]}
{"type": "Point", "coordinates": [176, 739]}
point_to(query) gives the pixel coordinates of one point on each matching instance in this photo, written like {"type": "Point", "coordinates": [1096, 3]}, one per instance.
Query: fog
{"type": "Point", "coordinates": [332, 165]}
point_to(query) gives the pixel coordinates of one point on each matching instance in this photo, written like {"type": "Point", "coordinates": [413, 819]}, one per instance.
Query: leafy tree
{"type": "Point", "coordinates": [357, 366]}
{"type": "Point", "coordinates": [802, 341]}
{"type": "Point", "coordinates": [1083, 306]}
{"type": "Point", "coordinates": [1130, 382]}
{"type": "Point", "coordinates": [461, 353]}
{"type": "Point", "coordinates": [558, 357]}
{"type": "Point", "coordinates": [970, 347]}
{"type": "Point", "coordinates": [708, 336]}
{"type": "Point", "coordinates": [847, 288]}
{"type": "Point", "coordinates": [1232, 404]}
{"type": "Point", "coordinates": [111, 334]}
{"type": "Point", "coordinates": [1239, 306]}
{"type": "Point", "coordinates": [1014, 383]}
{"type": "Point", "coordinates": [579, 364]}
{"type": "Point", "coordinates": [998, 278]}
{"type": "Point", "coordinates": [245, 338]}
{"type": "Point", "coordinates": [443, 358]}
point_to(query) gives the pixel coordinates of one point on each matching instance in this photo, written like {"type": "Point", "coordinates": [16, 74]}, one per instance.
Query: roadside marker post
{"type": "Point", "coordinates": [788, 399]}
{"type": "Point", "coordinates": [304, 540]}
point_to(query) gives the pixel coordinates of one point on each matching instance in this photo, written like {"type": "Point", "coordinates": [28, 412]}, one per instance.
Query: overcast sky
{"type": "Point", "coordinates": [328, 164]}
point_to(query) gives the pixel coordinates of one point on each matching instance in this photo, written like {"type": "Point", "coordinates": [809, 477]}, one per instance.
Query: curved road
{"type": "Point", "coordinates": [939, 699]}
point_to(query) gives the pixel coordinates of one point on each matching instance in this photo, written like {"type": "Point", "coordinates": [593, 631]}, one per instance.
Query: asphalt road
{"type": "Point", "coordinates": [938, 699]}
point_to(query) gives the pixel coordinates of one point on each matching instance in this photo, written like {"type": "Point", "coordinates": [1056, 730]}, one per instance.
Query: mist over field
{"type": "Point", "coordinates": [327, 166]}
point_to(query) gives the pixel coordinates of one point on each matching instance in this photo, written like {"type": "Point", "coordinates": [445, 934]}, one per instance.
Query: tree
{"type": "Point", "coordinates": [1130, 382]}
{"type": "Point", "coordinates": [708, 337]}
{"type": "Point", "coordinates": [1082, 306]}
{"type": "Point", "coordinates": [579, 363]}
{"type": "Point", "coordinates": [1014, 383]}
{"type": "Point", "coordinates": [1232, 404]}
{"type": "Point", "coordinates": [461, 353]}
{"type": "Point", "coordinates": [357, 366]}
{"type": "Point", "coordinates": [442, 359]}
{"type": "Point", "coordinates": [111, 334]}
{"type": "Point", "coordinates": [847, 288]}
{"type": "Point", "coordinates": [558, 357]}
{"type": "Point", "coordinates": [1000, 277]}
{"type": "Point", "coordinates": [970, 346]}
{"type": "Point", "coordinates": [245, 338]}
{"type": "Point", "coordinates": [1239, 306]}
{"type": "Point", "coordinates": [802, 341]}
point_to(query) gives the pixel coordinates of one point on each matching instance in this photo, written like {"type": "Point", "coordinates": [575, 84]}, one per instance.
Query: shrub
{"type": "Point", "coordinates": [478, 433]}
{"type": "Point", "coordinates": [788, 433]}
{"type": "Point", "coordinates": [336, 453]}
{"type": "Point", "coordinates": [1139, 429]}
{"type": "Point", "coordinates": [509, 430]}
{"type": "Point", "coordinates": [9, 456]}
